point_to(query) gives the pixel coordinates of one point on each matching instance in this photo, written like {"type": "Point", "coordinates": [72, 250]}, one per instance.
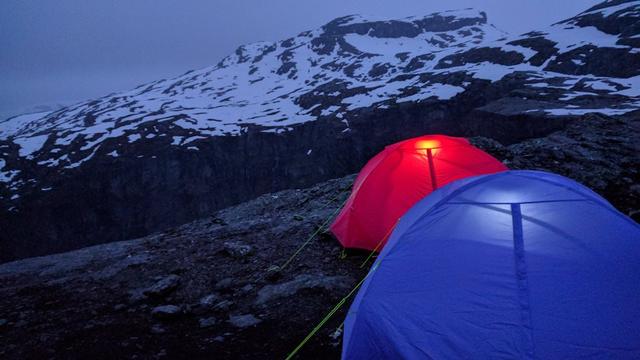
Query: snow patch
{"type": "Point", "coordinates": [577, 111]}
{"type": "Point", "coordinates": [29, 145]}
{"type": "Point", "coordinates": [600, 85]}
{"type": "Point", "coordinates": [7, 176]}
{"type": "Point", "coordinates": [608, 11]}
{"type": "Point", "coordinates": [13, 125]}
{"type": "Point", "coordinates": [177, 140]}
{"type": "Point", "coordinates": [440, 91]}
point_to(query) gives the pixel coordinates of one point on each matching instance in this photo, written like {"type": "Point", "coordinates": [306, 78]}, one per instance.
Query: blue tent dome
{"type": "Point", "coordinates": [515, 265]}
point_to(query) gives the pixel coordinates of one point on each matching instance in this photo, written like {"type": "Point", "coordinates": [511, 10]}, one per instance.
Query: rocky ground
{"type": "Point", "coordinates": [209, 289]}
{"type": "Point", "coordinates": [201, 289]}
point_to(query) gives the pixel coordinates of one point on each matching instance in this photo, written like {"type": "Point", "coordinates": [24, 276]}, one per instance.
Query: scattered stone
{"type": "Point", "coordinates": [163, 287]}
{"type": "Point", "coordinates": [158, 329]}
{"type": "Point", "coordinates": [247, 288]}
{"type": "Point", "coordinates": [3, 322]}
{"type": "Point", "coordinates": [218, 221]}
{"type": "Point", "coordinates": [297, 218]}
{"type": "Point", "coordinates": [244, 321]}
{"type": "Point", "coordinates": [136, 296]}
{"type": "Point", "coordinates": [223, 305]}
{"type": "Point", "coordinates": [218, 338]}
{"type": "Point", "coordinates": [224, 284]}
{"type": "Point", "coordinates": [336, 337]}
{"type": "Point", "coordinates": [207, 322]}
{"type": "Point", "coordinates": [237, 250]}
{"type": "Point", "coordinates": [273, 292]}
{"type": "Point", "coordinates": [273, 273]}
{"type": "Point", "coordinates": [119, 307]}
{"type": "Point", "coordinates": [166, 312]}
{"type": "Point", "coordinates": [209, 300]}
{"type": "Point", "coordinates": [200, 309]}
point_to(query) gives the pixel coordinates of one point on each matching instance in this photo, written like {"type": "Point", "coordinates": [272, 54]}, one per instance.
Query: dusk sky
{"type": "Point", "coordinates": [65, 51]}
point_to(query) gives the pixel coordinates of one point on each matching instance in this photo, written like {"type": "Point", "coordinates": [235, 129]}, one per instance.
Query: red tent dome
{"type": "Point", "coordinates": [398, 177]}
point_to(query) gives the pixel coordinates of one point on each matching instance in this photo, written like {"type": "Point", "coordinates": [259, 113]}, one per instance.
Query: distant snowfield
{"type": "Point", "coordinates": [278, 85]}
{"type": "Point", "coordinates": [12, 125]}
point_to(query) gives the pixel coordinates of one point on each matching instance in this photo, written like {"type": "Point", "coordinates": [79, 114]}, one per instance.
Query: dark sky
{"type": "Point", "coordinates": [70, 50]}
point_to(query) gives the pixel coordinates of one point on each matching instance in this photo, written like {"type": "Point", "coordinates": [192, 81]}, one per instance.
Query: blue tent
{"type": "Point", "coordinates": [515, 265]}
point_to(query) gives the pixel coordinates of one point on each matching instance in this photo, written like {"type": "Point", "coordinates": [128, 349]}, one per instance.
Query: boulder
{"type": "Point", "coordinates": [166, 312]}
{"type": "Point", "coordinates": [163, 287]}
{"type": "Point", "coordinates": [244, 321]}
{"type": "Point", "coordinates": [237, 250]}
{"type": "Point", "coordinates": [207, 322]}
{"type": "Point", "coordinates": [319, 281]}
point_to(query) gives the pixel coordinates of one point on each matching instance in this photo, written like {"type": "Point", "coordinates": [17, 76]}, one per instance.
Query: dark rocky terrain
{"type": "Point", "coordinates": [205, 289]}
{"type": "Point", "coordinates": [292, 113]}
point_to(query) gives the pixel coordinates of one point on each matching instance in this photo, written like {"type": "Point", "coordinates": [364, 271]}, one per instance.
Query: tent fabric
{"type": "Point", "coordinates": [398, 177]}
{"type": "Point", "coordinates": [515, 265]}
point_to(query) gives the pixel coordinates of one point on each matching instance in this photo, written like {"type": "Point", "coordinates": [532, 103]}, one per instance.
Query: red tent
{"type": "Point", "coordinates": [398, 177]}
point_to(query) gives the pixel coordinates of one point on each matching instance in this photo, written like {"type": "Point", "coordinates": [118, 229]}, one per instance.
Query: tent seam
{"type": "Point", "coordinates": [479, 180]}
{"type": "Point", "coordinates": [522, 281]}
{"type": "Point", "coordinates": [588, 195]}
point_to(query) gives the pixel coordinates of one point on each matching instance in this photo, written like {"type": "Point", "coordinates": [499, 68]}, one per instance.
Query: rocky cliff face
{"type": "Point", "coordinates": [208, 289]}
{"type": "Point", "coordinates": [291, 113]}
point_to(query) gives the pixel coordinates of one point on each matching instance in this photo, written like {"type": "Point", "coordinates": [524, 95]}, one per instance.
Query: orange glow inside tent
{"type": "Point", "coordinates": [427, 144]}
{"type": "Point", "coordinates": [397, 178]}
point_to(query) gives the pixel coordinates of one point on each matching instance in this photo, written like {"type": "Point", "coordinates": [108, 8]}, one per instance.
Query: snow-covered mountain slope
{"type": "Point", "coordinates": [273, 84]}
{"type": "Point", "coordinates": [351, 66]}
{"type": "Point", "coordinates": [354, 62]}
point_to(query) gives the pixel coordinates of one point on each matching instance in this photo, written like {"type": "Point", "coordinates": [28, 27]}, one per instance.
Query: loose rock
{"type": "Point", "coordinates": [237, 250]}
{"type": "Point", "coordinates": [223, 305]}
{"type": "Point", "coordinates": [207, 322]}
{"type": "Point", "coordinates": [224, 284]}
{"type": "Point", "coordinates": [272, 292]}
{"type": "Point", "coordinates": [244, 321]}
{"type": "Point", "coordinates": [163, 287]}
{"type": "Point", "coordinates": [273, 273]}
{"type": "Point", "coordinates": [209, 300]}
{"type": "Point", "coordinates": [158, 329]}
{"type": "Point", "coordinates": [166, 312]}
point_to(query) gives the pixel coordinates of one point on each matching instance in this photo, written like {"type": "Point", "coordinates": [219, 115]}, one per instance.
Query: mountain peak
{"type": "Point", "coordinates": [610, 4]}
{"type": "Point", "coordinates": [407, 27]}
